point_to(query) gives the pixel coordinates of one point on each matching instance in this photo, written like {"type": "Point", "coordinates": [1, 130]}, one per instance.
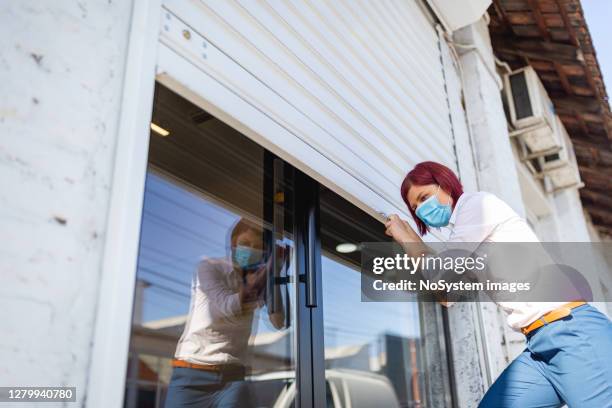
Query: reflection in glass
{"type": "Point", "coordinates": [374, 352]}
{"type": "Point", "coordinates": [213, 311]}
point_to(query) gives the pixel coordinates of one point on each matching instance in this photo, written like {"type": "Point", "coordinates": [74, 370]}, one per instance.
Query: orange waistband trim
{"type": "Point", "coordinates": [558, 313]}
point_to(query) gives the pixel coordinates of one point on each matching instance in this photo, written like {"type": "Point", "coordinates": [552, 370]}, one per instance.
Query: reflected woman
{"type": "Point", "coordinates": [568, 358]}
{"type": "Point", "coordinates": [211, 356]}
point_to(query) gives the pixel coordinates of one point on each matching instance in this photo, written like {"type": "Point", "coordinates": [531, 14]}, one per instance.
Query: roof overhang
{"type": "Point", "coordinates": [552, 36]}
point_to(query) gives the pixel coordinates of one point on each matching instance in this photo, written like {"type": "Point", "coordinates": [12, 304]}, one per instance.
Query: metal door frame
{"type": "Point", "coordinates": [310, 375]}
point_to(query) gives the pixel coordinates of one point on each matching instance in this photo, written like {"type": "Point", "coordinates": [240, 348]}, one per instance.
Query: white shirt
{"type": "Point", "coordinates": [482, 217]}
{"type": "Point", "coordinates": [217, 330]}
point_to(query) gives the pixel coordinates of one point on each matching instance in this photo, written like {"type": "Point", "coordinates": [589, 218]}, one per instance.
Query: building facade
{"type": "Point", "coordinates": [143, 138]}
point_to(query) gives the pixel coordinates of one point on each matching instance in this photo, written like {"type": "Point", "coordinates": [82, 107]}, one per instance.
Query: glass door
{"type": "Point", "coordinates": [248, 285]}
{"type": "Point", "coordinates": [387, 354]}
{"type": "Point", "coordinates": [214, 319]}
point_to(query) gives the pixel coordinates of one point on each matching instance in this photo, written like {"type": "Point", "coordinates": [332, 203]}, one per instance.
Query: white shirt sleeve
{"type": "Point", "coordinates": [223, 301]}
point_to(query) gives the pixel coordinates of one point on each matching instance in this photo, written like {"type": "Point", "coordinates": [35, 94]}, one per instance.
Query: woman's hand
{"type": "Point", "coordinates": [400, 230]}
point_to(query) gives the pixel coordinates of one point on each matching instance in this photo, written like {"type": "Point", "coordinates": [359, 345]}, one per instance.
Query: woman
{"type": "Point", "coordinates": [568, 359]}
{"type": "Point", "coordinates": [212, 355]}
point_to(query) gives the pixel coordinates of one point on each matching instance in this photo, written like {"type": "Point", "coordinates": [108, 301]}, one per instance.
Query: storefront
{"type": "Point", "coordinates": [290, 125]}
{"type": "Point", "coordinates": [151, 141]}
{"type": "Point", "coordinates": [210, 190]}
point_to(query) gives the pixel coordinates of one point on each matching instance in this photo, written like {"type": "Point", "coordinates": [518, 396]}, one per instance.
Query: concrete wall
{"type": "Point", "coordinates": [61, 69]}
{"type": "Point", "coordinates": [486, 115]}
{"type": "Point", "coordinates": [565, 222]}
{"type": "Point", "coordinates": [494, 166]}
{"type": "Point", "coordinates": [571, 222]}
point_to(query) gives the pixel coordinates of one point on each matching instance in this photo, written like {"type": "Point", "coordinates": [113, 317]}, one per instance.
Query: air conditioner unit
{"type": "Point", "coordinates": [532, 114]}
{"type": "Point", "coordinates": [561, 167]}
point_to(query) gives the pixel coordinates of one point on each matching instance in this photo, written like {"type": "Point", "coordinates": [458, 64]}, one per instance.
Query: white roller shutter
{"type": "Point", "coordinates": [351, 92]}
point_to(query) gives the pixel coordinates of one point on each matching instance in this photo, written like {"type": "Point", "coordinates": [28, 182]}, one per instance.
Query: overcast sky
{"type": "Point", "coordinates": [598, 14]}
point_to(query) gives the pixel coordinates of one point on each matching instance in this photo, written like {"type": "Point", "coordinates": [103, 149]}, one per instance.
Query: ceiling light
{"type": "Point", "coordinates": [159, 130]}
{"type": "Point", "coordinates": [346, 248]}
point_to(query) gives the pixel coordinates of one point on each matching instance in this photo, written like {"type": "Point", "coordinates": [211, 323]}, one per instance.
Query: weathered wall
{"type": "Point", "coordinates": [494, 157]}
{"type": "Point", "coordinates": [571, 223]}
{"type": "Point", "coordinates": [469, 366]}
{"type": "Point", "coordinates": [494, 165]}
{"type": "Point", "coordinates": [61, 69]}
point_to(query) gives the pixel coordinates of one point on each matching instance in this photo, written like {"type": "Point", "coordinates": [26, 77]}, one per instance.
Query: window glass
{"type": "Point", "coordinates": [214, 308]}
{"type": "Point", "coordinates": [376, 350]}
{"type": "Point", "coordinates": [213, 312]}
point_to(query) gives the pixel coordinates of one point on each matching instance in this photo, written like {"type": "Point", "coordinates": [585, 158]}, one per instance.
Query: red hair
{"type": "Point", "coordinates": [426, 173]}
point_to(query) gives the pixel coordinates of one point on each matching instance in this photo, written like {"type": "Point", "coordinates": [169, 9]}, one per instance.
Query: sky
{"type": "Point", "coordinates": [598, 14]}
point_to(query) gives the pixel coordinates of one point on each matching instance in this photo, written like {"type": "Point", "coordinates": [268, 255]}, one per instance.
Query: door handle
{"type": "Point", "coordinates": [278, 224]}
{"type": "Point", "coordinates": [311, 261]}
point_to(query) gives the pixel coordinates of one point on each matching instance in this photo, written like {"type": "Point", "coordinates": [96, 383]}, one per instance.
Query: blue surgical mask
{"type": "Point", "coordinates": [245, 256]}
{"type": "Point", "coordinates": [433, 213]}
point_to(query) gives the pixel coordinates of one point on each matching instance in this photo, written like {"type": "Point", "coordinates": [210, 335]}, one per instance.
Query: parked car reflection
{"type": "Point", "coordinates": [344, 388]}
